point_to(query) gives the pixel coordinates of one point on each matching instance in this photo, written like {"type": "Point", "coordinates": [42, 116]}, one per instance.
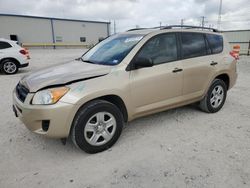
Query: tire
{"type": "Point", "coordinates": [215, 97]}
{"type": "Point", "coordinates": [97, 126]}
{"type": "Point", "coordinates": [9, 66]}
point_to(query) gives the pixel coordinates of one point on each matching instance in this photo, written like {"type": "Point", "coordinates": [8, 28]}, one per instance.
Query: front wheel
{"type": "Point", "coordinates": [97, 126]}
{"type": "Point", "coordinates": [215, 97]}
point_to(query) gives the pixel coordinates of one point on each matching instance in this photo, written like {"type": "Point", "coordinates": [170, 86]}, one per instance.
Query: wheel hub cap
{"type": "Point", "coordinates": [9, 67]}
{"type": "Point", "coordinates": [217, 96]}
{"type": "Point", "coordinates": [100, 128]}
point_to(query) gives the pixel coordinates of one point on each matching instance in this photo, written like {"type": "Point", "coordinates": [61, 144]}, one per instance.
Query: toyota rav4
{"type": "Point", "coordinates": [126, 76]}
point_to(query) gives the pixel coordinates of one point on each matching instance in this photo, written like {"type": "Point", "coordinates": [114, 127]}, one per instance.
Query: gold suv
{"type": "Point", "coordinates": [126, 76]}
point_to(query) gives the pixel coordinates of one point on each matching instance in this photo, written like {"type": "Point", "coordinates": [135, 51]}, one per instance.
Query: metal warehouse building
{"type": "Point", "coordinates": [239, 37]}
{"type": "Point", "coordinates": [45, 31]}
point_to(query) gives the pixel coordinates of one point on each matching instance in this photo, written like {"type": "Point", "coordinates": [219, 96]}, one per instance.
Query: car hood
{"type": "Point", "coordinates": [63, 74]}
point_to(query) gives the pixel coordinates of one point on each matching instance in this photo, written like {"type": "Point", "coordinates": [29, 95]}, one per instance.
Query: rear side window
{"type": "Point", "coordinates": [193, 45]}
{"type": "Point", "coordinates": [4, 45]}
{"type": "Point", "coordinates": [215, 43]}
{"type": "Point", "coordinates": [161, 49]}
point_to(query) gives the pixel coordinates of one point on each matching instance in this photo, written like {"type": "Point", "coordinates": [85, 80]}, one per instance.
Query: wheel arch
{"type": "Point", "coordinates": [112, 98]}
{"type": "Point", "coordinates": [225, 78]}
{"type": "Point", "coordinates": [116, 100]}
{"type": "Point", "coordinates": [10, 58]}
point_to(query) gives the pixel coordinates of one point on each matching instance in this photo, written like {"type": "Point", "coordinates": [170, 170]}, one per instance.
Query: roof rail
{"type": "Point", "coordinates": [189, 27]}
{"type": "Point", "coordinates": [134, 29]}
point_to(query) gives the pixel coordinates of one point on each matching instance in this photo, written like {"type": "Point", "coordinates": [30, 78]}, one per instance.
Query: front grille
{"type": "Point", "coordinates": [21, 92]}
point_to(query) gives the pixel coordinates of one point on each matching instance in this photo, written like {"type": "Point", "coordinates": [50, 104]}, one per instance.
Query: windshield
{"type": "Point", "coordinates": [112, 50]}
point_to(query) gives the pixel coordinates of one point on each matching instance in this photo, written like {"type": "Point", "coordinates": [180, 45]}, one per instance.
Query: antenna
{"type": "Point", "coordinates": [219, 16]}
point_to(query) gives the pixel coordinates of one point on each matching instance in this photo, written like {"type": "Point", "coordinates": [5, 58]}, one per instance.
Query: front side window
{"type": "Point", "coordinates": [112, 50]}
{"type": "Point", "coordinates": [215, 42]}
{"type": "Point", "coordinates": [4, 45]}
{"type": "Point", "coordinates": [160, 49]}
{"type": "Point", "coordinates": [193, 45]}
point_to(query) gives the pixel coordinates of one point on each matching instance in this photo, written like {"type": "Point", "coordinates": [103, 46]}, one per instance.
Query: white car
{"type": "Point", "coordinates": [12, 56]}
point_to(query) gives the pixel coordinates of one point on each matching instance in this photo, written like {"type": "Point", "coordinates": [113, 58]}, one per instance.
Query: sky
{"type": "Point", "coordinates": [138, 13]}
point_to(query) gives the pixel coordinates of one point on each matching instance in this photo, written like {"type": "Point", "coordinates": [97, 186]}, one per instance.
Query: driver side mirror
{"type": "Point", "coordinates": [143, 62]}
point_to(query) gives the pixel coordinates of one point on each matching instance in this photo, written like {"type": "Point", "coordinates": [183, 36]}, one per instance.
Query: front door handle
{"type": "Point", "coordinates": [213, 63]}
{"type": "Point", "coordinates": [177, 70]}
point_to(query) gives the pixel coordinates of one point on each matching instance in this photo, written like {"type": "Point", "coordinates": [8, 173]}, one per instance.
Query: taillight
{"type": "Point", "coordinates": [25, 52]}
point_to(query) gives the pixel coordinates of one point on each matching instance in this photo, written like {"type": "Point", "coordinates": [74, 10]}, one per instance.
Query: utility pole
{"type": "Point", "coordinates": [202, 21]}
{"type": "Point", "coordinates": [114, 27]}
{"type": "Point", "coordinates": [160, 25]}
{"type": "Point", "coordinates": [182, 22]}
{"type": "Point", "coordinates": [219, 16]}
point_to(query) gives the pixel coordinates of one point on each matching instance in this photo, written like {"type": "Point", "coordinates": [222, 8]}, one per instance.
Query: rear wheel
{"type": "Point", "coordinates": [9, 66]}
{"type": "Point", "coordinates": [215, 97]}
{"type": "Point", "coordinates": [97, 126]}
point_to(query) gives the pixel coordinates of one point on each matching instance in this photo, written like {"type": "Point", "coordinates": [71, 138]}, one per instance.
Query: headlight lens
{"type": "Point", "coordinates": [49, 96]}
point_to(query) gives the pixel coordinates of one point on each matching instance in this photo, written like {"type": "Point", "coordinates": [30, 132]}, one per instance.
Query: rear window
{"type": "Point", "coordinates": [215, 43]}
{"type": "Point", "coordinates": [193, 45]}
{"type": "Point", "coordinates": [4, 45]}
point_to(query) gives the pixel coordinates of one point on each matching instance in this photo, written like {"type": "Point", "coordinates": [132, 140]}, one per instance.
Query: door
{"type": "Point", "coordinates": [156, 87]}
{"type": "Point", "coordinates": [197, 68]}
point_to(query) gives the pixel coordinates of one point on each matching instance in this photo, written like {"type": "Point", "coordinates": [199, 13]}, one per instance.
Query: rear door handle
{"type": "Point", "coordinates": [213, 63]}
{"type": "Point", "coordinates": [177, 70]}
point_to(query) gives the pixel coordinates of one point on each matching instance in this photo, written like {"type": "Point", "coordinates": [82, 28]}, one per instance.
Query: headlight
{"type": "Point", "coordinates": [49, 96]}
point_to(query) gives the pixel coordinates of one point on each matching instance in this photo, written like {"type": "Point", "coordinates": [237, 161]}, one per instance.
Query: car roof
{"type": "Point", "coordinates": [6, 40]}
{"type": "Point", "coordinates": [9, 41]}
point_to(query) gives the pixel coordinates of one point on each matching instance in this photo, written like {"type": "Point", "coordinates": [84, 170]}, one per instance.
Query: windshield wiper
{"type": "Point", "coordinates": [87, 61]}
{"type": "Point", "coordinates": [78, 59]}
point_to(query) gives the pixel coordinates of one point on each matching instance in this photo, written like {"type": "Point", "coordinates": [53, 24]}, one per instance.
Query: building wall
{"type": "Point", "coordinates": [241, 37]}
{"type": "Point", "coordinates": [27, 29]}
{"type": "Point", "coordinates": [39, 30]}
{"type": "Point", "coordinates": [72, 31]}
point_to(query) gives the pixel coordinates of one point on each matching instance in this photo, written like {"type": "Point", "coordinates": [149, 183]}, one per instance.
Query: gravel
{"type": "Point", "coordinates": [183, 147]}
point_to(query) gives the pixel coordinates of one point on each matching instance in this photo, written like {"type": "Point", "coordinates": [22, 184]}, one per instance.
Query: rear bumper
{"type": "Point", "coordinates": [48, 120]}
{"type": "Point", "coordinates": [23, 65]}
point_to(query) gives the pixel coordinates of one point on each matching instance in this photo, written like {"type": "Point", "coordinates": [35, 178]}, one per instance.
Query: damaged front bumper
{"type": "Point", "coordinates": [48, 120]}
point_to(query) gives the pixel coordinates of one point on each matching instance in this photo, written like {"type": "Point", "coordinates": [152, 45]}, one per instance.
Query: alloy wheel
{"type": "Point", "coordinates": [100, 128]}
{"type": "Point", "coordinates": [217, 96]}
{"type": "Point", "coordinates": [9, 67]}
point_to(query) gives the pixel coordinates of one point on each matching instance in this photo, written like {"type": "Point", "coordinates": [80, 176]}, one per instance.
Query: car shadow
{"type": "Point", "coordinates": [22, 71]}
{"type": "Point", "coordinates": [177, 114]}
